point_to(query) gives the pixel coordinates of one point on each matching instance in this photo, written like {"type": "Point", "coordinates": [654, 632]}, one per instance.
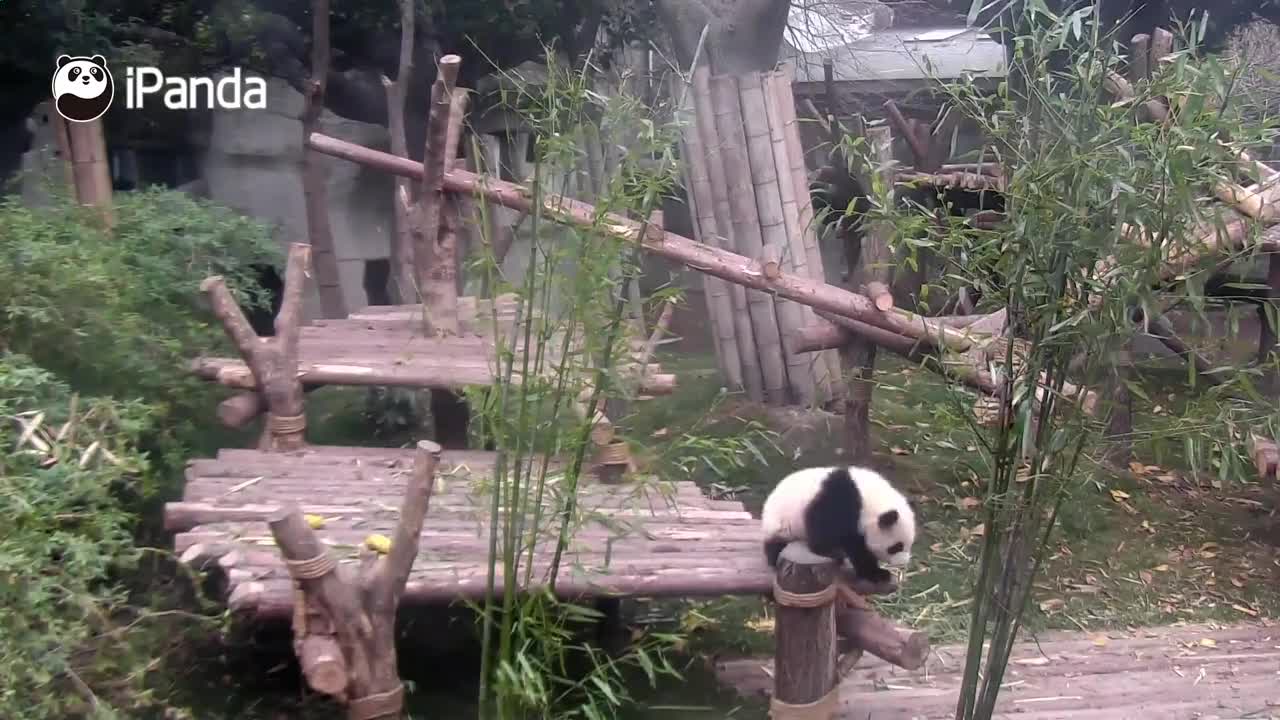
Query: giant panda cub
{"type": "Point", "coordinates": [841, 512]}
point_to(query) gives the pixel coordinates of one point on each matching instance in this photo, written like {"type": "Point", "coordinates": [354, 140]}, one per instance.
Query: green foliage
{"type": "Point", "coordinates": [110, 319]}
{"type": "Point", "coordinates": [119, 315]}
{"type": "Point", "coordinates": [1080, 168]}
{"type": "Point", "coordinates": [67, 537]}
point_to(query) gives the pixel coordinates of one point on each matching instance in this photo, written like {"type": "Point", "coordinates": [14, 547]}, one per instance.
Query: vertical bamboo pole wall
{"type": "Point", "coordinates": [747, 233]}
{"type": "Point", "coordinates": [749, 193]}
{"type": "Point", "coordinates": [702, 210]}
{"type": "Point", "coordinates": [786, 106]}
{"type": "Point", "coordinates": [820, 373]}
{"type": "Point", "coordinates": [709, 139]}
{"type": "Point", "coordinates": [774, 228]}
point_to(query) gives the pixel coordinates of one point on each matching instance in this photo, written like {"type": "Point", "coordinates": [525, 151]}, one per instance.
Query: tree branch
{"type": "Point", "coordinates": [389, 577]}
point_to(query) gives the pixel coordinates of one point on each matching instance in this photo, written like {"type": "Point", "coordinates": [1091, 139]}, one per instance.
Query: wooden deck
{"type": "Point", "coordinates": [387, 346]}
{"type": "Point", "coordinates": [1171, 673]}
{"type": "Point", "coordinates": [647, 539]}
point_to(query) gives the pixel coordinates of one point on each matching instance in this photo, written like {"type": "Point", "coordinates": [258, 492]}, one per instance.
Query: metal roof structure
{"type": "Point", "coordinates": [906, 54]}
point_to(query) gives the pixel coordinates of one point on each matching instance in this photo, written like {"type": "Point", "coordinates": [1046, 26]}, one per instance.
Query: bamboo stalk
{"type": "Point", "coordinates": [773, 226]}
{"type": "Point", "coordinates": [709, 140]}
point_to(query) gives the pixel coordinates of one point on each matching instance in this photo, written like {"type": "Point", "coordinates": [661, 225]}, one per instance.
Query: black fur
{"type": "Point", "coordinates": [831, 524]}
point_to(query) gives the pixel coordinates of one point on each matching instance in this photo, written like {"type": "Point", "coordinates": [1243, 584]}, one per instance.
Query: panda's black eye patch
{"type": "Point", "coordinates": [75, 73]}
{"type": "Point", "coordinates": [895, 548]}
{"type": "Point", "coordinates": [97, 74]}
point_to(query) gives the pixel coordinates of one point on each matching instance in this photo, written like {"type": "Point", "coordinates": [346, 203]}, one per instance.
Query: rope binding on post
{"type": "Point", "coordinates": [822, 598]}
{"type": "Point", "coordinates": [821, 709]}
{"type": "Point", "coordinates": [286, 424]}
{"type": "Point", "coordinates": [377, 705]}
{"type": "Point", "coordinates": [309, 569]}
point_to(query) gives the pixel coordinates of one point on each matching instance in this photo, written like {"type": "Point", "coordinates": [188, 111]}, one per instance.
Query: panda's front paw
{"type": "Point", "coordinates": [876, 575]}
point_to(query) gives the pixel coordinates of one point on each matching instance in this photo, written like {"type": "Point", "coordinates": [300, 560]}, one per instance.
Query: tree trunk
{"type": "Point", "coordinates": [401, 285]}
{"type": "Point", "coordinates": [315, 190]}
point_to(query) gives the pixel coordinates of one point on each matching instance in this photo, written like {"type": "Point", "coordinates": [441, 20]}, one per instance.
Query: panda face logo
{"type": "Point", "coordinates": [82, 87]}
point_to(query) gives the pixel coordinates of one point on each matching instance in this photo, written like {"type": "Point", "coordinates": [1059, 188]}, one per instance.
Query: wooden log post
{"type": "Point", "coordinates": [1120, 424]}
{"type": "Point", "coordinates": [83, 146]}
{"type": "Point", "coordinates": [401, 285]}
{"type": "Point", "coordinates": [804, 666]}
{"type": "Point", "coordinates": [273, 361]}
{"type": "Point", "coordinates": [875, 273]}
{"type": "Point", "coordinates": [315, 189]}
{"type": "Point", "coordinates": [361, 610]}
{"type": "Point", "coordinates": [433, 260]}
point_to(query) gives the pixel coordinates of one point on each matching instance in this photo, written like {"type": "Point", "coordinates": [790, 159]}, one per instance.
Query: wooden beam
{"type": "Point", "coordinates": [712, 261]}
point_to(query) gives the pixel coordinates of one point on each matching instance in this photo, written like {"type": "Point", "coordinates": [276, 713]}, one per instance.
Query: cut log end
{"type": "Point", "coordinates": [1266, 457]}
{"type": "Point", "coordinates": [323, 665]}
{"type": "Point", "coordinates": [880, 295]}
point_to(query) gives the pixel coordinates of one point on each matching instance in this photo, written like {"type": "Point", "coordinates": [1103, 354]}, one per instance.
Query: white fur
{"type": "Point", "coordinates": [85, 85]}
{"type": "Point", "coordinates": [783, 514]}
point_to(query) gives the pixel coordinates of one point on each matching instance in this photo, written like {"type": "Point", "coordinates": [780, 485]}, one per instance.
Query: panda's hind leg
{"type": "Point", "coordinates": [772, 549]}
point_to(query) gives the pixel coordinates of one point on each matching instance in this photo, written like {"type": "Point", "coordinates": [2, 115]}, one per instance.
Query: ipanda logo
{"type": "Point", "coordinates": [83, 89]}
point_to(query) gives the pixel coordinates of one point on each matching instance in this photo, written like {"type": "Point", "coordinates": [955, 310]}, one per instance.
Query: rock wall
{"type": "Point", "coordinates": [253, 164]}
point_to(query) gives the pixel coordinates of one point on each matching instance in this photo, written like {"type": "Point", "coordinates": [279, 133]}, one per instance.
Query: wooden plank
{"type": "Point", "coordinates": [1165, 673]}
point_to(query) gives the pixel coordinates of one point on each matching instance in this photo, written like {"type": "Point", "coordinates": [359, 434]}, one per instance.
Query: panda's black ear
{"type": "Point", "coordinates": [63, 60]}
{"type": "Point", "coordinates": [99, 60]}
{"type": "Point", "coordinates": [887, 519]}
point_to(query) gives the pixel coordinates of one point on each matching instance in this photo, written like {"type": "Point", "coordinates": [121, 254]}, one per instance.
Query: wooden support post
{"type": "Point", "coordinates": [1120, 427]}
{"type": "Point", "coordinates": [433, 268]}
{"type": "Point", "coordinates": [804, 666]}
{"type": "Point", "coordinates": [315, 190]}
{"type": "Point", "coordinates": [361, 610]}
{"type": "Point", "coordinates": [1269, 315]}
{"type": "Point", "coordinates": [83, 146]}
{"type": "Point", "coordinates": [273, 361]}
{"type": "Point", "coordinates": [401, 284]}
{"type": "Point", "coordinates": [875, 273]}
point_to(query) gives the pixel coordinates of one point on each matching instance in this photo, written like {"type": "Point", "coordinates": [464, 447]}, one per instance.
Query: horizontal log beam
{"type": "Point", "coordinates": [234, 373]}
{"type": "Point", "coordinates": [697, 256]}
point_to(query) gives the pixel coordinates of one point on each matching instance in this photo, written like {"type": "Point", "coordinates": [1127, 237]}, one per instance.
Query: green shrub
{"type": "Point", "coordinates": [120, 315]}
{"type": "Point", "coordinates": [67, 536]}
{"type": "Point", "coordinates": [96, 332]}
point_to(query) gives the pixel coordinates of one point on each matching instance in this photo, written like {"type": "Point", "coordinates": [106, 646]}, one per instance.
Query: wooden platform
{"type": "Point", "coordinates": [647, 539]}
{"type": "Point", "coordinates": [1171, 673]}
{"type": "Point", "coordinates": [387, 346]}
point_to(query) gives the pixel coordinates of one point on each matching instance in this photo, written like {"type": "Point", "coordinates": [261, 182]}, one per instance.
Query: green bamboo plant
{"type": "Point", "coordinates": [571, 315]}
{"type": "Point", "coordinates": [1079, 167]}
